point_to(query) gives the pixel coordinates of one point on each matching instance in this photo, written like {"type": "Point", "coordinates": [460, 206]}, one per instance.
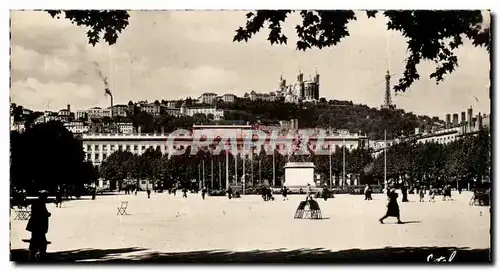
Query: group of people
{"type": "Point", "coordinates": [445, 191]}
{"type": "Point", "coordinates": [267, 193]}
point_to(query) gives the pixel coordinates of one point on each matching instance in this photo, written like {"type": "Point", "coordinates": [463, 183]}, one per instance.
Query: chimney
{"type": "Point", "coordinates": [448, 121]}
{"type": "Point", "coordinates": [69, 108]}
{"type": "Point", "coordinates": [479, 122]}
{"type": "Point", "coordinates": [455, 119]}
{"type": "Point", "coordinates": [469, 113]}
{"type": "Point", "coordinates": [463, 121]}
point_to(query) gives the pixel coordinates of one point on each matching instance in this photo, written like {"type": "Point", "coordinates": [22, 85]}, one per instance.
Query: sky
{"type": "Point", "coordinates": [177, 54]}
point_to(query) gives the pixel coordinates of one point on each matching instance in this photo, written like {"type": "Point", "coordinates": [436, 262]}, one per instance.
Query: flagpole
{"type": "Point", "coordinates": [330, 158]}
{"type": "Point", "coordinates": [343, 163]}
{"type": "Point", "coordinates": [244, 175]}
{"type": "Point", "coordinates": [220, 173]}
{"type": "Point", "coordinates": [274, 169]}
{"type": "Point", "coordinates": [212, 172]}
{"type": "Point", "coordinates": [251, 164]}
{"type": "Point", "coordinates": [235, 168]}
{"type": "Point", "coordinates": [385, 159]}
{"type": "Point", "coordinates": [203, 170]}
{"type": "Point", "coordinates": [227, 169]}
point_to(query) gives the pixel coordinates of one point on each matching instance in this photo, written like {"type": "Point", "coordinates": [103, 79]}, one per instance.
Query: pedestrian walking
{"type": "Point", "coordinates": [432, 194]}
{"type": "Point", "coordinates": [149, 193]}
{"type": "Point", "coordinates": [184, 192]}
{"type": "Point", "coordinates": [38, 225]}
{"type": "Point", "coordinates": [230, 193]}
{"type": "Point", "coordinates": [392, 207]}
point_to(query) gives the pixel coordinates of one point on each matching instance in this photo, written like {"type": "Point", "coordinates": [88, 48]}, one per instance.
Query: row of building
{"type": "Point", "coordinates": [100, 146]}
{"type": "Point", "coordinates": [300, 91]}
{"type": "Point", "coordinates": [453, 130]}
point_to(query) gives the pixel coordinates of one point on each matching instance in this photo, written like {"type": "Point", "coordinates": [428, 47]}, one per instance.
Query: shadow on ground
{"type": "Point", "coordinates": [384, 255]}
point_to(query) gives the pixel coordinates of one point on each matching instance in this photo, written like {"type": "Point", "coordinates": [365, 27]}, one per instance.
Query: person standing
{"type": "Point", "coordinates": [285, 193]}
{"type": "Point", "coordinates": [368, 192]}
{"type": "Point", "coordinates": [38, 225]}
{"type": "Point", "coordinates": [392, 207]}
{"type": "Point", "coordinates": [422, 194]}
{"type": "Point", "coordinates": [404, 191]}
{"type": "Point", "coordinates": [447, 192]}
{"type": "Point", "coordinates": [149, 193]}
{"type": "Point", "coordinates": [59, 198]}
{"type": "Point", "coordinates": [184, 192]}
{"type": "Point", "coordinates": [432, 194]}
{"type": "Point", "coordinates": [309, 192]}
{"type": "Point", "coordinates": [325, 192]}
{"type": "Point", "coordinates": [203, 192]}
{"type": "Point", "coordinates": [230, 193]}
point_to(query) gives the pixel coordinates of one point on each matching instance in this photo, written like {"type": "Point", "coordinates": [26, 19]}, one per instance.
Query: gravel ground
{"type": "Point", "coordinates": [170, 224]}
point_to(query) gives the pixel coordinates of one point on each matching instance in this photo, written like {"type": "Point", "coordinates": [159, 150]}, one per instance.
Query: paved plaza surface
{"type": "Point", "coordinates": [170, 228]}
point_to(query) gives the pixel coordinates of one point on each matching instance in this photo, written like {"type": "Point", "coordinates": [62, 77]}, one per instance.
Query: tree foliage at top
{"type": "Point", "coordinates": [431, 35]}
{"type": "Point", "coordinates": [105, 23]}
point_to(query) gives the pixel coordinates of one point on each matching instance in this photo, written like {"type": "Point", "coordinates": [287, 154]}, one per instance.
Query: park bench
{"type": "Point", "coordinates": [22, 213]}
{"type": "Point", "coordinates": [122, 209]}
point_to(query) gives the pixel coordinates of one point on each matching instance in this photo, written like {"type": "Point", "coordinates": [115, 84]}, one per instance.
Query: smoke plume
{"type": "Point", "coordinates": [104, 79]}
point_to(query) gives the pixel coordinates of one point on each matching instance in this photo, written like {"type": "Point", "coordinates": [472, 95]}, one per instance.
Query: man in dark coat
{"type": "Point", "coordinates": [392, 207]}
{"type": "Point", "coordinates": [404, 191]}
{"type": "Point", "coordinates": [149, 193]}
{"type": "Point", "coordinates": [285, 193]}
{"type": "Point", "coordinates": [325, 192]}
{"type": "Point", "coordinates": [368, 192]}
{"type": "Point", "coordinates": [230, 193]}
{"type": "Point", "coordinates": [184, 192]}
{"type": "Point", "coordinates": [263, 191]}
{"type": "Point", "coordinates": [203, 192]}
{"type": "Point", "coordinates": [38, 225]}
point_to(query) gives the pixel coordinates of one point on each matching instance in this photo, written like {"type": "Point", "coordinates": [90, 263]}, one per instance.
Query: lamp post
{"type": "Point", "coordinates": [343, 163]}
{"type": "Point", "coordinates": [330, 158]}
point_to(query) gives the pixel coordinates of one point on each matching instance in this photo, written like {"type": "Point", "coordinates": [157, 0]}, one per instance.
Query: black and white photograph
{"type": "Point", "coordinates": [250, 136]}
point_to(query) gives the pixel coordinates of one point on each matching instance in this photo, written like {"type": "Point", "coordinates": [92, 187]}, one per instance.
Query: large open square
{"type": "Point", "coordinates": [170, 228]}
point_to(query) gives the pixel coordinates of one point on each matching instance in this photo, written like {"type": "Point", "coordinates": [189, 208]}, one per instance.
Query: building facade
{"type": "Point", "coordinates": [98, 113]}
{"type": "Point", "coordinates": [120, 110]}
{"type": "Point", "coordinates": [208, 98]}
{"type": "Point", "coordinates": [150, 108]}
{"type": "Point", "coordinates": [228, 98]}
{"type": "Point", "coordinates": [98, 147]}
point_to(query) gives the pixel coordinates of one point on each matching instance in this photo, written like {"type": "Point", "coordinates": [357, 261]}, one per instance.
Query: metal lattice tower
{"type": "Point", "coordinates": [387, 98]}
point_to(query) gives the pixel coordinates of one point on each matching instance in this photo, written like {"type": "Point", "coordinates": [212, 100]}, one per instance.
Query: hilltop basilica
{"type": "Point", "coordinates": [302, 90]}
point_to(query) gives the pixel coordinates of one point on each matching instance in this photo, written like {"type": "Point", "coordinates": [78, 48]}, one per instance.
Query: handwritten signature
{"type": "Point", "coordinates": [441, 259]}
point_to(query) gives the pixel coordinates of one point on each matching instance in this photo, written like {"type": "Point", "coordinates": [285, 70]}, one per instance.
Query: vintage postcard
{"type": "Point", "coordinates": [250, 136]}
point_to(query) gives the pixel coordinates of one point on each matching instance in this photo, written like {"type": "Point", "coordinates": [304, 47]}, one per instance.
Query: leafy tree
{"type": "Point", "coordinates": [101, 24]}
{"type": "Point", "coordinates": [46, 156]}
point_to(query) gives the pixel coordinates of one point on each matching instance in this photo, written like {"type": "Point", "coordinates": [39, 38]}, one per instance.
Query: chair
{"type": "Point", "coordinates": [308, 209]}
{"type": "Point", "coordinates": [22, 213]}
{"type": "Point", "coordinates": [122, 209]}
